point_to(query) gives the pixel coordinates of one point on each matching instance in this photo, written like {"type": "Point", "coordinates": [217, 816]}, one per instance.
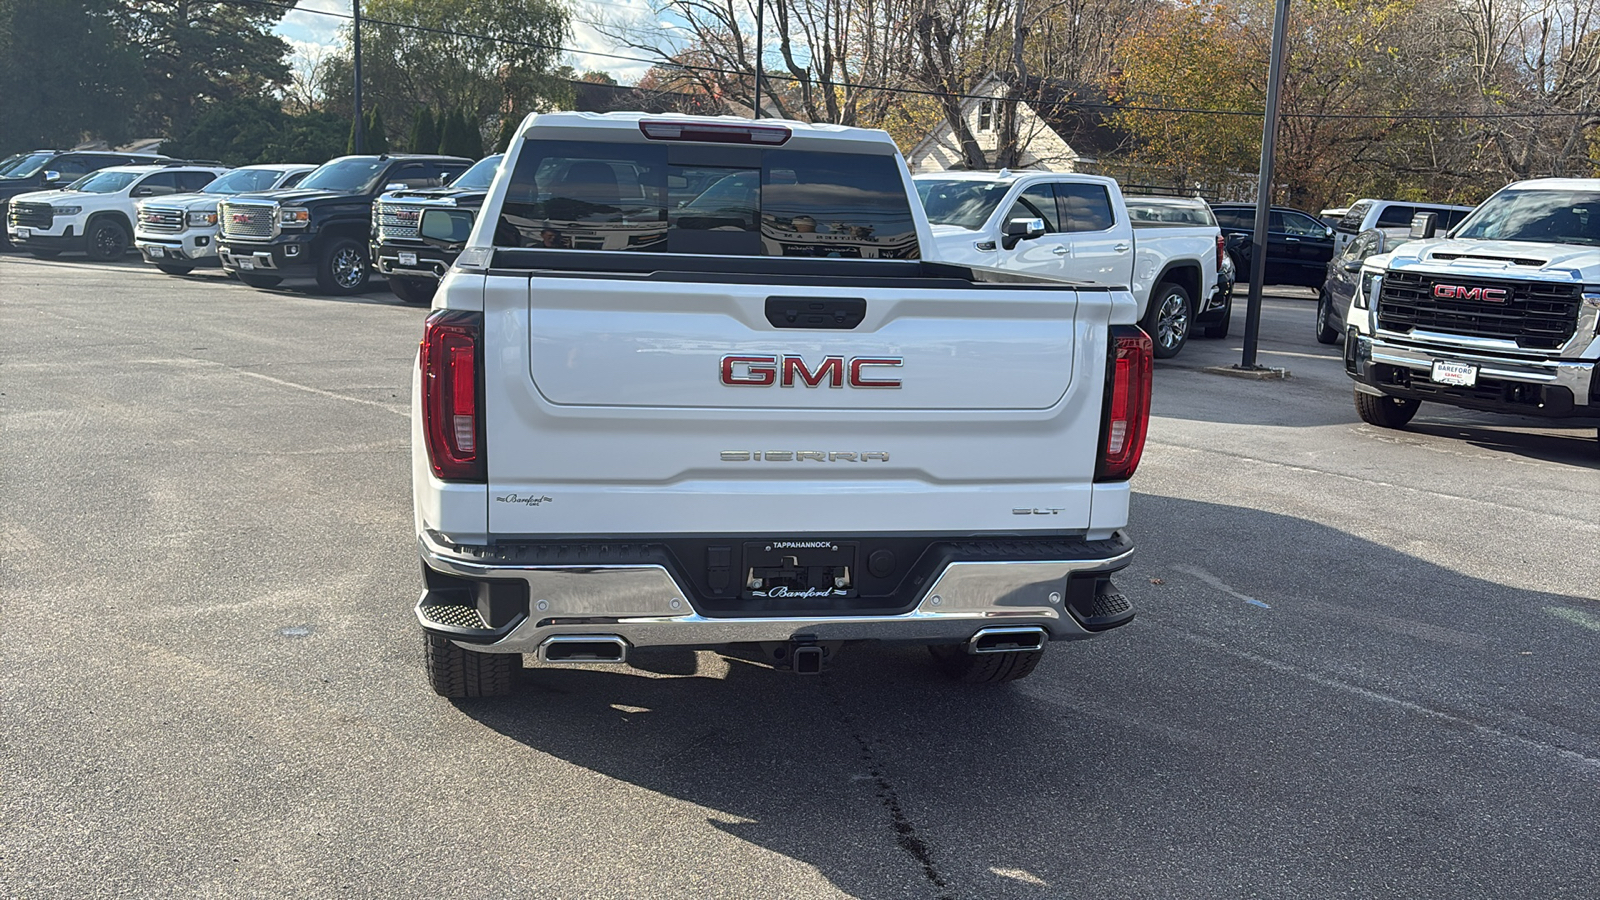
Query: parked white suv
{"type": "Point", "coordinates": [1082, 231]}
{"type": "Point", "coordinates": [179, 232]}
{"type": "Point", "coordinates": [95, 214]}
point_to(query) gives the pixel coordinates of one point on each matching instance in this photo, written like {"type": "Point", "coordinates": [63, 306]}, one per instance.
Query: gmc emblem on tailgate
{"type": "Point", "coordinates": [1462, 292]}
{"type": "Point", "coordinates": [784, 371]}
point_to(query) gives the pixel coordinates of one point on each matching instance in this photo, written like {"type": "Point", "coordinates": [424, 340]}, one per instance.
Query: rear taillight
{"type": "Point", "coordinates": [452, 394]}
{"type": "Point", "coordinates": [1222, 249]}
{"type": "Point", "coordinates": [1126, 415]}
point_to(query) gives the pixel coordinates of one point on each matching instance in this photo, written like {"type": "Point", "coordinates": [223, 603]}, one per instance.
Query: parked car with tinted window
{"type": "Point", "coordinates": [95, 214]}
{"type": "Point", "coordinates": [1366, 214]}
{"type": "Point", "coordinates": [44, 169]}
{"type": "Point", "coordinates": [1299, 245]}
{"type": "Point", "coordinates": [1333, 301]}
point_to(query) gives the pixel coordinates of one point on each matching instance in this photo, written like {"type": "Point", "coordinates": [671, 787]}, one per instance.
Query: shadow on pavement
{"type": "Point", "coordinates": [1165, 759]}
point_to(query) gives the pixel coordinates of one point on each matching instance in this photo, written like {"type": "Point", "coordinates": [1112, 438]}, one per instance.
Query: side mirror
{"type": "Point", "coordinates": [144, 191]}
{"type": "Point", "coordinates": [1329, 230]}
{"type": "Point", "coordinates": [395, 186]}
{"type": "Point", "coordinates": [445, 228]}
{"type": "Point", "coordinates": [1015, 230]}
{"type": "Point", "coordinates": [52, 177]}
{"type": "Point", "coordinates": [1424, 225]}
{"type": "Point", "coordinates": [448, 177]}
{"type": "Point", "coordinates": [1353, 265]}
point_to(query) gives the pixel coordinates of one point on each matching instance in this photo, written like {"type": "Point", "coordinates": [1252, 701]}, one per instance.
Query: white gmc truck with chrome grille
{"type": "Point", "coordinates": [1502, 315]}
{"type": "Point", "coordinates": [690, 384]}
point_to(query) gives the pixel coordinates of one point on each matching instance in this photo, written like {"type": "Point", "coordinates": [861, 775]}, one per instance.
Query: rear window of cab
{"type": "Point", "coordinates": [721, 200]}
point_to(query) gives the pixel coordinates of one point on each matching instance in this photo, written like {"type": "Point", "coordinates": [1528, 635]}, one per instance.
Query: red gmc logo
{"type": "Point", "coordinates": [407, 215]}
{"type": "Point", "coordinates": [785, 371]}
{"type": "Point", "coordinates": [241, 218]}
{"type": "Point", "coordinates": [1462, 292]}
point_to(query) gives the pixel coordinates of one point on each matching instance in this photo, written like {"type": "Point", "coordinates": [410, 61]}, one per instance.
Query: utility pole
{"type": "Point", "coordinates": [1269, 140]}
{"type": "Point", "coordinates": [760, 7]}
{"type": "Point", "coordinates": [355, 45]}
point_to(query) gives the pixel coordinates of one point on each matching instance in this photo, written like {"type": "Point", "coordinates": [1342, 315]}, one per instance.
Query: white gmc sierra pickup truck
{"type": "Point", "coordinates": [690, 384]}
{"type": "Point", "coordinates": [1503, 315]}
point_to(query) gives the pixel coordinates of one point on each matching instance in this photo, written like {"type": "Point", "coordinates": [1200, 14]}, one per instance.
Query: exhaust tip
{"type": "Point", "coordinates": [584, 648]}
{"type": "Point", "coordinates": [1008, 639]}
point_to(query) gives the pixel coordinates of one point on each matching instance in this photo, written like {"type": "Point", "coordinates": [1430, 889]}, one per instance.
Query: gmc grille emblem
{"type": "Point", "coordinates": [785, 371]}
{"type": "Point", "coordinates": [407, 215]}
{"type": "Point", "coordinates": [241, 218]}
{"type": "Point", "coordinates": [1462, 292]}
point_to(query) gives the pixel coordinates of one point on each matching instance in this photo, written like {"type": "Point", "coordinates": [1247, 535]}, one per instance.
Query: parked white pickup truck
{"type": "Point", "coordinates": [1078, 227]}
{"type": "Point", "coordinates": [1503, 315]}
{"type": "Point", "coordinates": [179, 232]}
{"type": "Point", "coordinates": [760, 420]}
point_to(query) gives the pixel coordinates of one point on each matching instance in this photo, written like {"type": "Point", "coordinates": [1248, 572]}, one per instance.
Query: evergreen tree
{"type": "Point", "coordinates": [424, 134]}
{"type": "Point", "coordinates": [453, 136]}
{"type": "Point", "coordinates": [508, 132]}
{"type": "Point", "coordinates": [377, 134]}
{"type": "Point", "coordinates": [472, 147]}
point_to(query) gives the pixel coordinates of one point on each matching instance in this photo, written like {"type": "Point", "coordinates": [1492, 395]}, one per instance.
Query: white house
{"type": "Point", "coordinates": [1041, 136]}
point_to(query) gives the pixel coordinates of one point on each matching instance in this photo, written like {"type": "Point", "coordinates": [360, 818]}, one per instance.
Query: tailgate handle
{"type": "Point", "coordinates": [843, 313]}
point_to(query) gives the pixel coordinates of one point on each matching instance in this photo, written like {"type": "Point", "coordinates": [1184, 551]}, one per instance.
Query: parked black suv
{"type": "Point", "coordinates": [1299, 244]}
{"type": "Point", "coordinates": [412, 265]}
{"type": "Point", "coordinates": [320, 228]}
{"type": "Point", "coordinates": [40, 170]}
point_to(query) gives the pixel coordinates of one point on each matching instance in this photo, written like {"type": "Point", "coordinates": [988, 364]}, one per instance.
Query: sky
{"type": "Point", "coordinates": [312, 35]}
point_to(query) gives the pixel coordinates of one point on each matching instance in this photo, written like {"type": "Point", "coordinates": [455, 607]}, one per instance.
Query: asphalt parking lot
{"type": "Point", "coordinates": [1365, 663]}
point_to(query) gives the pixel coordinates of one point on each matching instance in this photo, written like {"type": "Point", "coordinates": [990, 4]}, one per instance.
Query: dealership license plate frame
{"type": "Point", "coordinates": [1454, 374]}
{"type": "Point", "coordinates": [408, 259]}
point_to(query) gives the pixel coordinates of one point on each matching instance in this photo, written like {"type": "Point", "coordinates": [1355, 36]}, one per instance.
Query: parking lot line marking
{"type": "Point", "coordinates": [1217, 583]}
{"type": "Point", "coordinates": [319, 391]}
{"type": "Point", "coordinates": [1589, 763]}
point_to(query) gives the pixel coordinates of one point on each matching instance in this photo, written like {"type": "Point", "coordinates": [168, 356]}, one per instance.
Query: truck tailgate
{"type": "Point", "coordinates": [668, 403]}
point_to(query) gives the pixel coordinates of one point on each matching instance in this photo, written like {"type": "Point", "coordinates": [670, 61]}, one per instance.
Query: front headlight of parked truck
{"type": "Point", "coordinates": [293, 217]}
{"type": "Point", "coordinates": [202, 217]}
{"type": "Point", "coordinates": [66, 210]}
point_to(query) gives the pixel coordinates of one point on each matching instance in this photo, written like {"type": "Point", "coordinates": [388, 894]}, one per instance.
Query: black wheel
{"type": "Point", "coordinates": [1326, 333]}
{"type": "Point", "coordinates": [418, 291]}
{"type": "Point", "coordinates": [44, 254]}
{"type": "Point", "coordinates": [1168, 318]}
{"type": "Point", "coordinates": [259, 281]}
{"type": "Point", "coordinates": [1385, 411]}
{"type": "Point", "coordinates": [984, 668]}
{"type": "Point", "coordinates": [106, 241]}
{"type": "Point", "coordinates": [174, 268]}
{"type": "Point", "coordinates": [454, 672]}
{"type": "Point", "coordinates": [343, 267]}
{"type": "Point", "coordinates": [1219, 329]}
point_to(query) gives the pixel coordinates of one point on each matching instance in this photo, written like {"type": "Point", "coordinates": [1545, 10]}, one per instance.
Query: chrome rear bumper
{"type": "Point", "coordinates": [645, 606]}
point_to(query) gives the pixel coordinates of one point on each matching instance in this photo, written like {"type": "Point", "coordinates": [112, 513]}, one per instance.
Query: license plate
{"type": "Point", "coordinates": [157, 253]}
{"type": "Point", "coordinates": [23, 232]}
{"type": "Point", "coordinates": [408, 259]}
{"type": "Point", "coordinates": [1454, 373]}
{"type": "Point", "coordinates": [247, 264]}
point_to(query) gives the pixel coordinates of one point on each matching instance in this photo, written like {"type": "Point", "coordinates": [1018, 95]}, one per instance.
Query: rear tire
{"type": "Point", "coordinates": [173, 269]}
{"type": "Point", "coordinates": [259, 281]}
{"type": "Point", "coordinates": [1385, 411]}
{"type": "Point", "coordinates": [343, 267]}
{"type": "Point", "coordinates": [106, 240]}
{"type": "Point", "coordinates": [416, 291]}
{"type": "Point", "coordinates": [1168, 318]}
{"type": "Point", "coordinates": [454, 672]}
{"type": "Point", "coordinates": [984, 668]}
{"type": "Point", "coordinates": [1326, 333]}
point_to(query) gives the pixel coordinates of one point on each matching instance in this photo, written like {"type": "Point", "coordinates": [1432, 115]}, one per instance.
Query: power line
{"type": "Point", "coordinates": [923, 92]}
